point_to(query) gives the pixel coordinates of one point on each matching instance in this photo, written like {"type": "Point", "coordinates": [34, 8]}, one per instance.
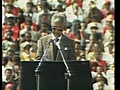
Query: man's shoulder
{"type": "Point", "coordinates": [46, 37]}
{"type": "Point", "coordinates": [68, 38]}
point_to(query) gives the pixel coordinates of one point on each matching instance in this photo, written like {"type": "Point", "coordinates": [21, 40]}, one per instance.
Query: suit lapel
{"type": "Point", "coordinates": [50, 49]}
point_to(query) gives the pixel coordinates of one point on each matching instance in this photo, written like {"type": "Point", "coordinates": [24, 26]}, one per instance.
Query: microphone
{"type": "Point", "coordinates": [67, 68]}
{"type": "Point", "coordinates": [44, 55]}
{"type": "Point", "coordinates": [49, 41]}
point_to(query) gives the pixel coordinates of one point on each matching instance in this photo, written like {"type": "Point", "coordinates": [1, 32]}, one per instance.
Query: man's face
{"type": "Point", "coordinates": [8, 74]}
{"type": "Point", "coordinates": [9, 9]}
{"type": "Point", "coordinates": [57, 29]}
{"type": "Point", "coordinates": [43, 27]}
{"type": "Point", "coordinates": [29, 7]}
{"type": "Point", "coordinates": [9, 25]}
{"type": "Point", "coordinates": [28, 37]}
{"type": "Point", "coordinates": [94, 30]}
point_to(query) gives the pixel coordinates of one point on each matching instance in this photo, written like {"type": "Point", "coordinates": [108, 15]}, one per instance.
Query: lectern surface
{"type": "Point", "coordinates": [52, 75]}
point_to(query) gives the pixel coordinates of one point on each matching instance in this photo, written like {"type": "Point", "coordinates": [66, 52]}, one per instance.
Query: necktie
{"type": "Point", "coordinates": [55, 48]}
{"type": "Point", "coordinates": [56, 39]}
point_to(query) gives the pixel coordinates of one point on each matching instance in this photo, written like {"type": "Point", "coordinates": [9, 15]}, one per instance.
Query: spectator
{"type": "Point", "coordinates": [97, 58]}
{"type": "Point", "coordinates": [28, 28]}
{"type": "Point", "coordinates": [10, 26]}
{"type": "Point", "coordinates": [94, 11]}
{"type": "Point", "coordinates": [43, 31]}
{"type": "Point", "coordinates": [23, 25]}
{"type": "Point", "coordinates": [29, 12]}
{"type": "Point", "coordinates": [8, 77]}
{"type": "Point", "coordinates": [111, 75]}
{"type": "Point", "coordinates": [10, 62]}
{"type": "Point", "coordinates": [10, 86]}
{"type": "Point", "coordinates": [45, 14]}
{"type": "Point", "coordinates": [73, 11]}
{"type": "Point", "coordinates": [25, 54]}
{"type": "Point", "coordinates": [100, 86]}
{"type": "Point", "coordinates": [7, 41]}
{"type": "Point", "coordinates": [76, 31]}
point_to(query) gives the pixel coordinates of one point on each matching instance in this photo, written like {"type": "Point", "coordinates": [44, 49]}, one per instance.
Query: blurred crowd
{"type": "Point", "coordinates": [90, 23]}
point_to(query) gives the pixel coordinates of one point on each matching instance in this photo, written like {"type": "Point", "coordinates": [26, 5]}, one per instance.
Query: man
{"type": "Point", "coordinates": [66, 44]}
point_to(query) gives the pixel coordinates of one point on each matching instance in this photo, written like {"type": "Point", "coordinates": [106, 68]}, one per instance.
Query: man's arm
{"type": "Point", "coordinates": [39, 49]}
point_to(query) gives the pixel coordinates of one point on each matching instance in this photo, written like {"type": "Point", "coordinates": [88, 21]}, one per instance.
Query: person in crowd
{"type": "Point", "coordinates": [7, 41]}
{"type": "Point", "coordinates": [100, 69]}
{"type": "Point", "coordinates": [25, 53]}
{"type": "Point", "coordinates": [107, 21]}
{"type": "Point", "coordinates": [73, 11]}
{"type": "Point", "coordinates": [29, 11]}
{"type": "Point", "coordinates": [76, 31]}
{"type": "Point", "coordinates": [99, 77]}
{"type": "Point", "coordinates": [66, 44]}
{"type": "Point", "coordinates": [15, 8]}
{"type": "Point", "coordinates": [110, 75]}
{"type": "Point", "coordinates": [8, 12]}
{"type": "Point", "coordinates": [10, 26]}
{"type": "Point", "coordinates": [10, 86]}
{"type": "Point", "coordinates": [93, 11]}
{"type": "Point", "coordinates": [28, 28]}
{"type": "Point", "coordinates": [77, 50]}
{"type": "Point", "coordinates": [108, 55]}
{"type": "Point", "coordinates": [28, 38]}
{"type": "Point", "coordinates": [9, 54]}
{"type": "Point", "coordinates": [100, 86]}
{"type": "Point", "coordinates": [14, 46]}
{"type": "Point", "coordinates": [93, 46]}
{"type": "Point", "coordinates": [8, 77]}
{"type": "Point", "coordinates": [45, 14]}
{"type": "Point", "coordinates": [59, 9]}
{"type": "Point", "coordinates": [23, 25]}
{"type": "Point", "coordinates": [95, 32]}
{"type": "Point", "coordinates": [94, 22]}
{"type": "Point", "coordinates": [43, 31]}
{"type": "Point", "coordinates": [97, 58]}
{"type": "Point", "coordinates": [20, 18]}
{"type": "Point", "coordinates": [106, 9]}
{"type": "Point", "coordinates": [110, 32]}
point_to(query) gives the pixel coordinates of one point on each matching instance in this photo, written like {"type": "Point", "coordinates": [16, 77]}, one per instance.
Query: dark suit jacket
{"type": "Point", "coordinates": [66, 44]}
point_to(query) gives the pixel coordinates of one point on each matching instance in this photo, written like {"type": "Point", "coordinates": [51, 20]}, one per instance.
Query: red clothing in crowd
{"type": "Point", "coordinates": [105, 29]}
{"type": "Point", "coordinates": [34, 26]}
{"type": "Point", "coordinates": [101, 63]}
{"type": "Point", "coordinates": [15, 30]}
{"type": "Point", "coordinates": [15, 11]}
{"type": "Point", "coordinates": [79, 2]}
{"type": "Point", "coordinates": [72, 36]}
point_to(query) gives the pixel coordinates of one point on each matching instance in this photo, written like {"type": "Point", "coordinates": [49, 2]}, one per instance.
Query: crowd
{"type": "Point", "coordinates": [90, 23]}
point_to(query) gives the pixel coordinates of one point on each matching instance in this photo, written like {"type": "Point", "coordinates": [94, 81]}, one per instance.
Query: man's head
{"type": "Point", "coordinates": [9, 8]}
{"type": "Point", "coordinates": [44, 26]}
{"type": "Point", "coordinates": [101, 85]}
{"type": "Point", "coordinates": [94, 28]}
{"type": "Point", "coordinates": [10, 24]}
{"type": "Point", "coordinates": [28, 36]}
{"type": "Point", "coordinates": [29, 6]}
{"type": "Point", "coordinates": [28, 24]}
{"type": "Point", "coordinates": [58, 23]}
{"type": "Point", "coordinates": [8, 35]}
{"type": "Point", "coordinates": [8, 73]}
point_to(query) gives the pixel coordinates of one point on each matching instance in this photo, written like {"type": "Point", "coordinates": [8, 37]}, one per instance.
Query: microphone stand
{"type": "Point", "coordinates": [68, 74]}
{"type": "Point", "coordinates": [38, 67]}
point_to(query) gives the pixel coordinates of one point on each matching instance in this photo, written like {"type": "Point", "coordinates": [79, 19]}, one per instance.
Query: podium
{"type": "Point", "coordinates": [52, 76]}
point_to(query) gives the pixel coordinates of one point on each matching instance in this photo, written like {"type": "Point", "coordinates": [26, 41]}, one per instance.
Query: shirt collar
{"type": "Point", "coordinates": [53, 37]}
